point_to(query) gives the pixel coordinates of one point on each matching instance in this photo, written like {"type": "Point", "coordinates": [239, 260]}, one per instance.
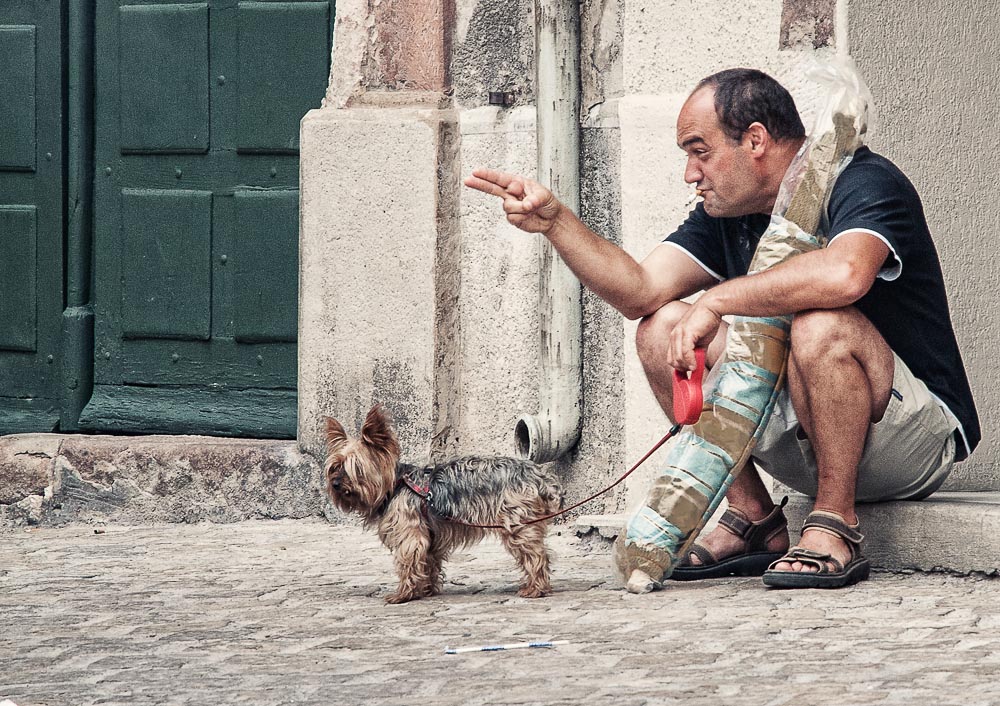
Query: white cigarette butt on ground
{"type": "Point", "coordinates": [497, 648]}
{"type": "Point", "coordinates": [7, 702]}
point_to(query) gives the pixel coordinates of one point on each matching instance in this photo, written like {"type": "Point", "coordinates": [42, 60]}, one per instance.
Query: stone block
{"type": "Point", "coordinates": [377, 222]}
{"type": "Point", "coordinates": [949, 531]}
{"type": "Point", "coordinates": [26, 463]}
{"type": "Point", "coordinates": [57, 479]}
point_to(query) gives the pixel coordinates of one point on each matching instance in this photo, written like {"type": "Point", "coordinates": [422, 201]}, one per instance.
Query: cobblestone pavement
{"type": "Point", "coordinates": [292, 612]}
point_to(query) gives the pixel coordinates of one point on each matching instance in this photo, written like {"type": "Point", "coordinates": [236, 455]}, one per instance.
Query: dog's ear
{"type": "Point", "coordinates": [377, 430]}
{"type": "Point", "coordinates": [335, 434]}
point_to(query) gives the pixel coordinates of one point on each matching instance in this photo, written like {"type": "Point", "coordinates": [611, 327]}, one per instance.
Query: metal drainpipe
{"type": "Point", "coordinates": [78, 316]}
{"type": "Point", "coordinates": [556, 428]}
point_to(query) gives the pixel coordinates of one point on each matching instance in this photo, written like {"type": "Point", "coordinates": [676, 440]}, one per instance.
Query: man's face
{"type": "Point", "coordinates": [720, 167]}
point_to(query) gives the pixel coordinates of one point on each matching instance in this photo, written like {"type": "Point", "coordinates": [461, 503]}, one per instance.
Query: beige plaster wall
{"type": "Point", "coordinates": [933, 70]}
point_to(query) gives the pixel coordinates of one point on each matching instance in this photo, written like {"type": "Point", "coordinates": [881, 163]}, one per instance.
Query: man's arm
{"type": "Point", "coordinates": [831, 278]}
{"type": "Point", "coordinates": [635, 289]}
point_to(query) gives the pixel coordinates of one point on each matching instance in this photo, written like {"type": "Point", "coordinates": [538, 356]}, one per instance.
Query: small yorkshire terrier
{"type": "Point", "coordinates": [421, 513]}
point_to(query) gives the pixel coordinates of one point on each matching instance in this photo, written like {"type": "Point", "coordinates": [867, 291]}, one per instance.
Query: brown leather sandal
{"type": "Point", "coordinates": [755, 558]}
{"type": "Point", "coordinates": [829, 573]}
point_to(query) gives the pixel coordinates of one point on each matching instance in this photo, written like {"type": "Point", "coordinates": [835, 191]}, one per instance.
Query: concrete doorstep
{"type": "Point", "coordinates": [949, 531]}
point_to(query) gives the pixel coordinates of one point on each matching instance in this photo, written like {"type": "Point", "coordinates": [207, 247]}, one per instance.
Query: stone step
{"type": "Point", "coordinates": [53, 479]}
{"type": "Point", "coordinates": [949, 531]}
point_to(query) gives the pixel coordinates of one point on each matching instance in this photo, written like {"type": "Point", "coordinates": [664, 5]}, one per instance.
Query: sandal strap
{"type": "Point", "coordinates": [820, 560]}
{"type": "Point", "coordinates": [705, 555]}
{"type": "Point", "coordinates": [820, 519]}
{"type": "Point", "coordinates": [756, 534]}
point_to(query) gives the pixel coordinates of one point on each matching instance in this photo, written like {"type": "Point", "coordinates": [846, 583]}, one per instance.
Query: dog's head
{"type": "Point", "coordinates": [361, 473]}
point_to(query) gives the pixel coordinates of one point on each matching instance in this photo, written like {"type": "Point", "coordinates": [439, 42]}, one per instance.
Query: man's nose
{"type": "Point", "coordinates": [692, 173]}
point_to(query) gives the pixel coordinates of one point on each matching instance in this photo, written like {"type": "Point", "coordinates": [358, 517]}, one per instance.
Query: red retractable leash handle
{"type": "Point", "coordinates": [688, 399]}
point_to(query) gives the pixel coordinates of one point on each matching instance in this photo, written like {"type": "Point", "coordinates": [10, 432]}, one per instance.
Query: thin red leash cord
{"type": "Point", "coordinates": [688, 401]}
{"type": "Point", "coordinates": [673, 430]}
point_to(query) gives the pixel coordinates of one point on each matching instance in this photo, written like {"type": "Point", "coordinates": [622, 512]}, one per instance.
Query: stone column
{"type": "Point", "coordinates": [378, 234]}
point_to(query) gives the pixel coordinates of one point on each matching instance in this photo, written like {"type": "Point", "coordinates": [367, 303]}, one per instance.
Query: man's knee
{"type": "Point", "coordinates": [820, 333]}
{"type": "Point", "coordinates": [654, 330]}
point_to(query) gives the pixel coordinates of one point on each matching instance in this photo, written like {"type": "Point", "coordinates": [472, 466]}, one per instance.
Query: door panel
{"type": "Point", "coordinates": [17, 84]}
{"type": "Point", "coordinates": [18, 255]}
{"type": "Point", "coordinates": [196, 211]}
{"type": "Point", "coordinates": [278, 77]}
{"type": "Point", "coordinates": [167, 241]}
{"type": "Point", "coordinates": [31, 214]}
{"type": "Point", "coordinates": [164, 78]}
{"type": "Point", "coordinates": [267, 228]}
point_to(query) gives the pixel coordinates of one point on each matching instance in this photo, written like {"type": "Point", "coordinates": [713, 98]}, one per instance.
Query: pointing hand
{"type": "Point", "coordinates": [528, 205]}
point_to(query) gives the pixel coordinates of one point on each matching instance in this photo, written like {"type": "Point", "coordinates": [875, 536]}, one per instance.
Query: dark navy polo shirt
{"type": "Point", "coordinates": [907, 303]}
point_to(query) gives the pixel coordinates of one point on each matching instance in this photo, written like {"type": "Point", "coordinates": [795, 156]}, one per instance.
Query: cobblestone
{"type": "Point", "coordinates": [291, 612]}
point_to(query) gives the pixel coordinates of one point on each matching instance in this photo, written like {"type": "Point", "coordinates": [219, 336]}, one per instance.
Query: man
{"type": "Point", "coordinates": [876, 404]}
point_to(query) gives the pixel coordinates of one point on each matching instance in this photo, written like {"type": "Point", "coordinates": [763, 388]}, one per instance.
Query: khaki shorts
{"type": "Point", "coordinates": [907, 456]}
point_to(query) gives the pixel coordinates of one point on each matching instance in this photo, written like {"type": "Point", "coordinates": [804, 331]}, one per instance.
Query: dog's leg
{"type": "Point", "coordinates": [527, 545]}
{"type": "Point", "coordinates": [435, 559]}
{"type": "Point", "coordinates": [410, 541]}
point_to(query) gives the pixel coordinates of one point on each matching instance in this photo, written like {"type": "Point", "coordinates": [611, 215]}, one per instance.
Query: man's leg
{"type": "Point", "coordinates": [747, 496]}
{"type": "Point", "coordinates": [839, 380]}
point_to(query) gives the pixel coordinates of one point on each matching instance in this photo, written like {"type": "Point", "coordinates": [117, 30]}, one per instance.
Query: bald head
{"type": "Point", "coordinates": [746, 96]}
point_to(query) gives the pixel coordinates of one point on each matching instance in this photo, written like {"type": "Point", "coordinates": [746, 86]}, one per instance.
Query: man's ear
{"type": "Point", "coordinates": [757, 139]}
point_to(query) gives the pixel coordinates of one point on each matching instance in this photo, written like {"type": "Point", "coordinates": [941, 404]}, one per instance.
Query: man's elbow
{"type": "Point", "coordinates": [638, 300]}
{"type": "Point", "coordinates": [630, 313]}
{"type": "Point", "coordinates": [853, 282]}
{"type": "Point", "coordinates": [633, 311]}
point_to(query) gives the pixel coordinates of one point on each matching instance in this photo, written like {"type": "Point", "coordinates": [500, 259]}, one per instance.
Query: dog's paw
{"type": "Point", "coordinates": [400, 597]}
{"type": "Point", "coordinates": [534, 591]}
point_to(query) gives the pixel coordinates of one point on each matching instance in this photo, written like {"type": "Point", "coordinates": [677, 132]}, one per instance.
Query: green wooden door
{"type": "Point", "coordinates": [31, 214]}
{"type": "Point", "coordinates": [197, 109]}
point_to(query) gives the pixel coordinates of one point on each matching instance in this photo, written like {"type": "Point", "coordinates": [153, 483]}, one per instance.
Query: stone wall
{"type": "Point", "coordinates": [415, 291]}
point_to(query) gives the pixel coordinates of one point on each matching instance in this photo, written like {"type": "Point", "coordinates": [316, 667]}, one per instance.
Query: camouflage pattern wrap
{"type": "Point", "coordinates": [702, 464]}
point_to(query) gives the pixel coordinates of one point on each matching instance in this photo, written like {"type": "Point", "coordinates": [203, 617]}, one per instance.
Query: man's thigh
{"type": "Point", "coordinates": [907, 455]}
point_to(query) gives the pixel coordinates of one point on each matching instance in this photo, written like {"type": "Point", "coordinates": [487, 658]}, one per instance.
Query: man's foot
{"type": "Point", "coordinates": [827, 556]}
{"type": "Point", "coordinates": [818, 541]}
{"type": "Point", "coordinates": [737, 546]}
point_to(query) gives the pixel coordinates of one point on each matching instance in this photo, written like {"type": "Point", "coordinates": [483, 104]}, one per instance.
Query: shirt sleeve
{"type": "Point", "coordinates": [873, 200]}
{"type": "Point", "coordinates": [700, 239]}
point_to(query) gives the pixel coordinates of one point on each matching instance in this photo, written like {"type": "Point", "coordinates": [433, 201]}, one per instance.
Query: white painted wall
{"type": "Point", "coordinates": [499, 296]}
{"type": "Point", "coordinates": [934, 74]}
